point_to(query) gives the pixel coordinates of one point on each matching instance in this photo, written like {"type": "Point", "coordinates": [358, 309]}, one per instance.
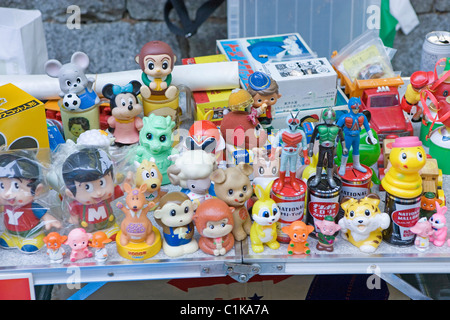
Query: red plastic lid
{"type": "Point", "coordinates": [355, 175]}
{"type": "Point", "coordinates": [288, 191]}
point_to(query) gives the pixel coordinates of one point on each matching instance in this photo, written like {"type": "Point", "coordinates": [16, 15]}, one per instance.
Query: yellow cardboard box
{"type": "Point", "coordinates": [205, 101]}
{"type": "Point", "coordinates": [23, 123]}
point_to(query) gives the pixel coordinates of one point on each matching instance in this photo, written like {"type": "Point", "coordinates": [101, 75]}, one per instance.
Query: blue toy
{"type": "Point", "coordinates": [352, 123]}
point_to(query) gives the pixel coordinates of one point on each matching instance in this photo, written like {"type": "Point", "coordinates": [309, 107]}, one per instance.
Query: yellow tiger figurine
{"type": "Point", "coordinates": [265, 214]}
{"type": "Point", "coordinates": [363, 223]}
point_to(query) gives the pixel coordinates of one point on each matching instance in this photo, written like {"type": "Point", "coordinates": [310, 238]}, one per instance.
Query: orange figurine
{"type": "Point", "coordinates": [54, 250]}
{"type": "Point", "coordinates": [99, 239]}
{"type": "Point", "coordinates": [298, 231]}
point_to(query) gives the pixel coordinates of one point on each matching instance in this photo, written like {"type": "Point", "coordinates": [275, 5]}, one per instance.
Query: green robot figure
{"type": "Point", "coordinates": [327, 133]}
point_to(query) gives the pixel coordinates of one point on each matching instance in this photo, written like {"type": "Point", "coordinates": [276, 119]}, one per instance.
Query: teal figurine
{"type": "Point", "coordinates": [155, 141]}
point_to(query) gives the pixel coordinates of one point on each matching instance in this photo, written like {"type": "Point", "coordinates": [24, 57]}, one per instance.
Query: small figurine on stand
{"type": "Point", "coordinates": [191, 171]}
{"type": "Point", "coordinates": [125, 110]}
{"type": "Point", "coordinates": [264, 91]}
{"type": "Point", "coordinates": [326, 235]}
{"type": "Point", "coordinates": [233, 186]}
{"type": "Point", "coordinates": [266, 167]}
{"type": "Point", "coordinates": [99, 239]}
{"type": "Point", "coordinates": [78, 241]}
{"type": "Point", "coordinates": [265, 214]}
{"type": "Point", "coordinates": [363, 223]}
{"type": "Point", "coordinates": [439, 224]}
{"type": "Point", "coordinates": [156, 60]}
{"type": "Point", "coordinates": [135, 227]}
{"type": "Point", "coordinates": [293, 141]}
{"type": "Point", "coordinates": [352, 123]}
{"type": "Point", "coordinates": [24, 218]}
{"type": "Point", "coordinates": [155, 141]}
{"type": "Point", "coordinates": [214, 221]}
{"type": "Point", "coordinates": [423, 230]}
{"type": "Point", "coordinates": [88, 176]}
{"type": "Point", "coordinates": [298, 232]}
{"type": "Point", "coordinates": [55, 251]}
{"type": "Point", "coordinates": [174, 214]}
{"type": "Point", "coordinates": [327, 133]}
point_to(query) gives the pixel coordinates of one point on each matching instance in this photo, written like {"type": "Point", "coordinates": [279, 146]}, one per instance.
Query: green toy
{"type": "Point", "coordinates": [155, 141]}
{"type": "Point", "coordinates": [369, 153]}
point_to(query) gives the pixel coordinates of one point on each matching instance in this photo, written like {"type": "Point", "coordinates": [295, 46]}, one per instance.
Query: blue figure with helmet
{"type": "Point", "coordinates": [352, 123]}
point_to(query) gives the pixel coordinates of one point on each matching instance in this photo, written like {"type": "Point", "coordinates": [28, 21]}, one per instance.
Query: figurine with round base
{"type": "Point", "coordinates": [403, 185]}
{"type": "Point", "coordinates": [322, 201]}
{"type": "Point", "coordinates": [326, 235]}
{"type": "Point", "coordinates": [356, 184]}
{"type": "Point", "coordinates": [139, 251]}
{"type": "Point", "coordinates": [423, 230]}
{"type": "Point", "coordinates": [291, 204]}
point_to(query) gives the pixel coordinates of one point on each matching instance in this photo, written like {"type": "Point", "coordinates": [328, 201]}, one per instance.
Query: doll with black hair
{"type": "Point", "coordinates": [21, 182]}
{"type": "Point", "coordinates": [88, 176]}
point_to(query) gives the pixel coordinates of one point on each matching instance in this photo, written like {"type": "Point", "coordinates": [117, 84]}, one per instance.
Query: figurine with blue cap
{"type": "Point", "coordinates": [352, 123]}
{"type": "Point", "coordinates": [264, 91]}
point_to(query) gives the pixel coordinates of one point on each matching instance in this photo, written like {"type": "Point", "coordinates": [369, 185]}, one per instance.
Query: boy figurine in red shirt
{"type": "Point", "coordinates": [23, 217]}
{"type": "Point", "coordinates": [88, 176]}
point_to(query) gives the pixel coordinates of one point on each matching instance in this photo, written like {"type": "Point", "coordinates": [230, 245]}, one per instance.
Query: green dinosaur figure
{"type": "Point", "coordinates": [155, 141]}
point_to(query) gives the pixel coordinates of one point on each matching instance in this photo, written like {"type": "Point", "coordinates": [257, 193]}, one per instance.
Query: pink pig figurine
{"type": "Point", "coordinates": [439, 222]}
{"type": "Point", "coordinates": [423, 231]}
{"type": "Point", "coordinates": [78, 240]}
{"type": "Point", "coordinates": [327, 228]}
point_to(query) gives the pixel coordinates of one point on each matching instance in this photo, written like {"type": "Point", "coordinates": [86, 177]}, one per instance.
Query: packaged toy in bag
{"type": "Point", "coordinates": [28, 208]}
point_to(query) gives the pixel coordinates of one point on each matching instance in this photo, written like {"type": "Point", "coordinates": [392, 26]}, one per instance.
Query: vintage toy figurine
{"type": "Point", "coordinates": [204, 135]}
{"type": "Point", "coordinates": [352, 123]}
{"type": "Point", "coordinates": [265, 167]}
{"type": "Point", "coordinates": [423, 230]}
{"type": "Point", "coordinates": [99, 239]}
{"type": "Point", "coordinates": [428, 204]}
{"type": "Point", "coordinates": [327, 133]}
{"type": "Point", "coordinates": [174, 214]}
{"type": "Point", "coordinates": [155, 141]}
{"type": "Point", "coordinates": [298, 232]}
{"type": "Point", "coordinates": [55, 251]}
{"type": "Point", "coordinates": [79, 103]}
{"type": "Point", "coordinates": [264, 91]}
{"type": "Point", "coordinates": [191, 171]}
{"type": "Point", "coordinates": [24, 219]}
{"type": "Point", "coordinates": [72, 80]}
{"type": "Point", "coordinates": [407, 157]}
{"type": "Point", "coordinates": [326, 235]}
{"type": "Point", "coordinates": [292, 140]}
{"type": "Point", "coordinates": [149, 175]}
{"type": "Point", "coordinates": [265, 214]}
{"type": "Point", "coordinates": [419, 81]}
{"type": "Point", "coordinates": [156, 60]}
{"type": "Point", "coordinates": [233, 186]}
{"type": "Point", "coordinates": [78, 241]}
{"type": "Point", "coordinates": [236, 129]}
{"type": "Point", "coordinates": [136, 227]}
{"type": "Point", "coordinates": [88, 176]}
{"type": "Point", "coordinates": [214, 221]}
{"type": "Point", "coordinates": [439, 224]}
{"type": "Point", "coordinates": [125, 110]}
{"type": "Point", "coordinates": [363, 223]}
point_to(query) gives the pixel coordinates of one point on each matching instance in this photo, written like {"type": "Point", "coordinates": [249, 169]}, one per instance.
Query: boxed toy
{"type": "Point", "coordinates": [22, 120]}
{"type": "Point", "coordinates": [305, 81]}
{"type": "Point", "coordinates": [205, 101]}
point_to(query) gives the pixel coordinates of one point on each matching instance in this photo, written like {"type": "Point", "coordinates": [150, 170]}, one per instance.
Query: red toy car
{"type": "Point", "coordinates": [386, 114]}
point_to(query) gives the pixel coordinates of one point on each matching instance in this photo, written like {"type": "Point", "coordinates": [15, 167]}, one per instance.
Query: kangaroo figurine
{"type": "Point", "coordinates": [136, 227]}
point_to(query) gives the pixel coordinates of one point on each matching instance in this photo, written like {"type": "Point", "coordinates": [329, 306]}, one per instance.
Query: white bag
{"type": "Point", "coordinates": [22, 39]}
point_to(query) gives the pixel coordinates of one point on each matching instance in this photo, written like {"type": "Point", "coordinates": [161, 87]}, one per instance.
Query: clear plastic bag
{"type": "Point", "coordinates": [29, 208]}
{"type": "Point", "coordinates": [364, 58]}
